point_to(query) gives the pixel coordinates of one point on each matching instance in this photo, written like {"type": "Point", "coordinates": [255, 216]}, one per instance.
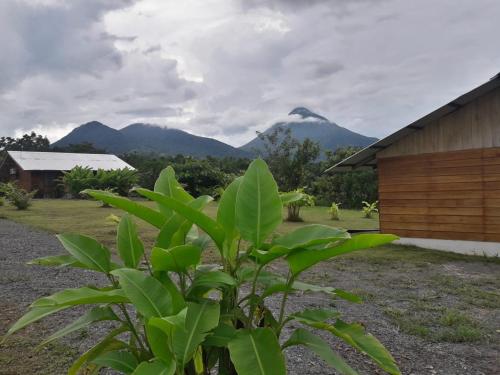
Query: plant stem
{"type": "Point", "coordinates": [289, 283]}
{"type": "Point", "coordinates": [252, 293]}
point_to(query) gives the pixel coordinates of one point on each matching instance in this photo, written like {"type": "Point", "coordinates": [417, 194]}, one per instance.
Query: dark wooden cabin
{"type": "Point", "coordinates": [41, 170]}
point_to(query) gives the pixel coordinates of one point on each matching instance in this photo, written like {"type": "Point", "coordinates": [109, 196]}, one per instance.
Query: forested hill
{"type": "Point", "coordinates": [147, 138]}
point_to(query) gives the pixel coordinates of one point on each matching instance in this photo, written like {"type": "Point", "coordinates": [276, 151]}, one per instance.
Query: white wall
{"type": "Point", "coordinates": [491, 249]}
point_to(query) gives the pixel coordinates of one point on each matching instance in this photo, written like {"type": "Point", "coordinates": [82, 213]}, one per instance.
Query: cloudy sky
{"type": "Point", "coordinates": [226, 68]}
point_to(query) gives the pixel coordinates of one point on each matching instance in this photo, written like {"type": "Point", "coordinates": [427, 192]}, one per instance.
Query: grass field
{"type": "Point", "coordinates": [87, 217]}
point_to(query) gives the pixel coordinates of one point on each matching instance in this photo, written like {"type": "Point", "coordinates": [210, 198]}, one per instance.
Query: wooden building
{"type": "Point", "coordinates": [41, 170]}
{"type": "Point", "coordinates": [439, 177]}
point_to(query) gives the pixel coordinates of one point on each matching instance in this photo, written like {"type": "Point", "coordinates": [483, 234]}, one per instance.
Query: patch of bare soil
{"type": "Point", "coordinates": [437, 314]}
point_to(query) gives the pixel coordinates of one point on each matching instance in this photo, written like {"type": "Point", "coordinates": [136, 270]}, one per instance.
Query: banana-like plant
{"type": "Point", "coordinates": [174, 315]}
{"type": "Point", "coordinates": [334, 211]}
{"type": "Point", "coordinates": [369, 209]}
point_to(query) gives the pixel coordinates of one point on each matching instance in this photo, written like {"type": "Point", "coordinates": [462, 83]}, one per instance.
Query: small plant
{"type": "Point", "coordinates": [294, 206]}
{"type": "Point", "coordinates": [334, 211]}
{"type": "Point", "coordinates": [369, 209]}
{"type": "Point", "coordinates": [16, 196]}
{"type": "Point", "coordinates": [171, 314]}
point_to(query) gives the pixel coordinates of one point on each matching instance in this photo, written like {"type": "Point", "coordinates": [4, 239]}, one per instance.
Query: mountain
{"type": "Point", "coordinates": [307, 124]}
{"type": "Point", "coordinates": [147, 138]}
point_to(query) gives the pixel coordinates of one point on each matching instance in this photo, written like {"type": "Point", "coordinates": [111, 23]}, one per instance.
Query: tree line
{"type": "Point", "coordinates": [295, 165]}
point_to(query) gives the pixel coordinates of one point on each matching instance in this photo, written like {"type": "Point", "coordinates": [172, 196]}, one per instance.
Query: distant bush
{"type": "Point", "coordinates": [16, 196]}
{"type": "Point", "coordinates": [369, 209]}
{"type": "Point", "coordinates": [81, 178]}
{"type": "Point", "coordinates": [335, 211]}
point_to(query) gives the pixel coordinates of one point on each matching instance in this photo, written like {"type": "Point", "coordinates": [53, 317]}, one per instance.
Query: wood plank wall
{"type": "Point", "coordinates": [476, 125]}
{"type": "Point", "coordinates": [451, 195]}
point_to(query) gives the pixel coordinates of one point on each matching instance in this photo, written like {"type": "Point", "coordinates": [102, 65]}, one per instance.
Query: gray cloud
{"type": "Point", "coordinates": [228, 68]}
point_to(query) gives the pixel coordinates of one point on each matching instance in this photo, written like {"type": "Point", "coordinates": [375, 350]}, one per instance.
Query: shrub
{"type": "Point", "coordinates": [78, 179]}
{"type": "Point", "coordinates": [171, 314]}
{"type": "Point", "coordinates": [81, 178]}
{"type": "Point", "coordinates": [16, 196]}
{"type": "Point", "coordinates": [369, 209]}
{"type": "Point", "coordinates": [294, 206]}
{"type": "Point", "coordinates": [334, 211]}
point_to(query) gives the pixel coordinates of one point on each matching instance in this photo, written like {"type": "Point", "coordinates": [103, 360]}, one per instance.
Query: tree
{"type": "Point", "coordinates": [84, 148]}
{"type": "Point", "coordinates": [289, 159]}
{"type": "Point", "coordinates": [28, 142]}
{"type": "Point", "coordinates": [349, 188]}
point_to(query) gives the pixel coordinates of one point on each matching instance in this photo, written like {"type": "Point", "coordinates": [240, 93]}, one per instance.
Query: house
{"type": "Point", "coordinates": [439, 177]}
{"type": "Point", "coordinates": [41, 170]}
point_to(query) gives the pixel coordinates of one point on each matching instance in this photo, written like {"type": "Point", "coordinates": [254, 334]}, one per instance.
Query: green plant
{"type": "Point", "coordinates": [173, 315]}
{"type": "Point", "coordinates": [334, 211]}
{"type": "Point", "coordinates": [16, 196]}
{"type": "Point", "coordinates": [293, 206]}
{"type": "Point", "coordinates": [81, 178]}
{"type": "Point", "coordinates": [369, 209]}
{"type": "Point", "coordinates": [78, 179]}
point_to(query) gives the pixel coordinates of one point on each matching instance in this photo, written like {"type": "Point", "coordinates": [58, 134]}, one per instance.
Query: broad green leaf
{"type": "Point", "coordinates": [159, 342]}
{"type": "Point", "coordinates": [221, 336]}
{"type": "Point", "coordinates": [315, 315]}
{"type": "Point", "coordinates": [82, 296]}
{"type": "Point", "coordinates": [128, 242]}
{"type": "Point", "coordinates": [177, 259]}
{"type": "Point", "coordinates": [58, 260]}
{"type": "Point", "coordinates": [97, 314]}
{"type": "Point", "coordinates": [168, 324]}
{"type": "Point", "coordinates": [211, 227]}
{"type": "Point", "coordinates": [107, 344]}
{"type": "Point", "coordinates": [32, 316]}
{"type": "Point", "coordinates": [274, 283]}
{"type": "Point", "coordinates": [201, 318]}
{"type": "Point", "coordinates": [206, 281]}
{"type": "Point", "coordinates": [354, 335]}
{"type": "Point", "coordinates": [319, 346]}
{"type": "Point", "coordinates": [87, 251]}
{"type": "Point", "coordinates": [290, 197]}
{"type": "Point", "coordinates": [267, 256]}
{"type": "Point", "coordinates": [258, 204]}
{"type": "Point", "coordinates": [147, 294]}
{"type": "Point", "coordinates": [227, 209]}
{"type": "Point", "coordinates": [334, 292]}
{"type": "Point", "coordinates": [145, 213]}
{"type": "Point", "coordinates": [178, 226]}
{"type": "Point", "coordinates": [302, 259]}
{"type": "Point", "coordinates": [155, 367]}
{"type": "Point", "coordinates": [120, 360]}
{"type": "Point", "coordinates": [257, 352]}
{"type": "Point", "coordinates": [168, 185]}
{"type": "Point", "coordinates": [311, 235]}
{"type": "Point", "coordinates": [178, 302]}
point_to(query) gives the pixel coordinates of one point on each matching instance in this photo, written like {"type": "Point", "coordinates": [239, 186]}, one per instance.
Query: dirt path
{"type": "Point", "coordinates": [413, 305]}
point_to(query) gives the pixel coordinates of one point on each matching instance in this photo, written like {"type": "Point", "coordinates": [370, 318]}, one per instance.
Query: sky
{"type": "Point", "coordinates": [228, 68]}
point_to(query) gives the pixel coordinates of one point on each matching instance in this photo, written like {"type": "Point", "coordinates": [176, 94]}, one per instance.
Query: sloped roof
{"type": "Point", "coordinates": [366, 158]}
{"type": "Point", "coordinates": [62, 161]}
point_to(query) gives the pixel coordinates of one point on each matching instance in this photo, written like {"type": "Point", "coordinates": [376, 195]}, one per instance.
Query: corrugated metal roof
{"type": "Point", "coordinates": [366, 158]}
{"type": "Point", "coordinates": [62, 161]}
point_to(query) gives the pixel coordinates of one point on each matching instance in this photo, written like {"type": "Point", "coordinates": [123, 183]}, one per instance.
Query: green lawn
{"type": "Point", "coordinates": [87, 217]}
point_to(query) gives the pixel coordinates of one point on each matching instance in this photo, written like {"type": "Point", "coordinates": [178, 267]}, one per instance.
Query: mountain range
{"type": "Point", "coordinates": [150, 138]}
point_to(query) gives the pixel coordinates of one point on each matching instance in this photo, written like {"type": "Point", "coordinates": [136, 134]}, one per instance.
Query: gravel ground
{"type": "Point", "coordinates": [21, 284]}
